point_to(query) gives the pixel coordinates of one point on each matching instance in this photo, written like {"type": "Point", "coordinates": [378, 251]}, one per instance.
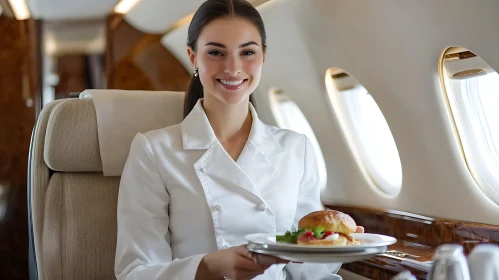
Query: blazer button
{"type": "Point", "coordinates": [262, 207]}
{"type": "Point", "coordinates": [203, 170]}
{"type": "Point", "coordinates": [218, 207]}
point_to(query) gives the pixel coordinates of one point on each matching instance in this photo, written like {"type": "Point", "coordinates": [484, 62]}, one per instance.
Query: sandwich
{"type": "Point", "coordinates": [323, 228]}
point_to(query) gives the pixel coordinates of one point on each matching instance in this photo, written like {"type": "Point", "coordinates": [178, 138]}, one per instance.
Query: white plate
{"type": "Point", "coordinates": [337, 257]}
{"type": "Point", "coordinates": [267, 241]}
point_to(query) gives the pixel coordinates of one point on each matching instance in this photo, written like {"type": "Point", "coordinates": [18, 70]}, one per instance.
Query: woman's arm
{"type": "Point", "coordinates": [143, 250]}
{"type": "Point", "coordinates": [309, 194]}
{"type": "Point", "coordinates": [309, 200]}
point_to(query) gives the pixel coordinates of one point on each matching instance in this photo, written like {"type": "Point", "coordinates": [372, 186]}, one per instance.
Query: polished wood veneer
{"type": "Point", "coordinates": [72, 75]}
{"type": "Point", "coordinates": [20, 92]}
{"type": "Point", "coordinates": [417, 236]}
{"type": "Point", "coordinates": [138, 61]}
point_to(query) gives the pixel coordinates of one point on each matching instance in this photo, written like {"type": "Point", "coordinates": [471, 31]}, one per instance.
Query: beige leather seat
{"type": "Point", "coordinates": [72, 205]}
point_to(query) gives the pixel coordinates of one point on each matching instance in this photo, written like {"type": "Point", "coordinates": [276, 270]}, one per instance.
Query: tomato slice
{"type": "Point", "coordinates": [309, 233]}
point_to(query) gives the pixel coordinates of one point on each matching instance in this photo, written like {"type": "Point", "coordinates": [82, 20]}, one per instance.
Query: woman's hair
{"type": "Point", "coordinates": [207, 12]}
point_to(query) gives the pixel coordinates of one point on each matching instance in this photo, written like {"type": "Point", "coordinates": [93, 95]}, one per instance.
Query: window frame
{"type": "Point", "coordinates": [371, 174]}
{"type": "Point", "coordinates": [482, 165]}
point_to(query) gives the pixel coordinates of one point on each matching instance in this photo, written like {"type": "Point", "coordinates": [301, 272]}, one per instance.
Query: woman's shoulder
{"type": "Point", "coordinates": [287, 137]}
{"type": "Point", "coordinates": [167, 135]}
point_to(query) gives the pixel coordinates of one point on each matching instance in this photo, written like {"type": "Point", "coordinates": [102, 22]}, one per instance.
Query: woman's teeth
{"type": "Point", "coordinates": [231, 83]}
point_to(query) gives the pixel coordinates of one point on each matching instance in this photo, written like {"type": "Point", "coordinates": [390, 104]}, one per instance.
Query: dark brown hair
{"type": "Point", "coordinates": [207, 12]}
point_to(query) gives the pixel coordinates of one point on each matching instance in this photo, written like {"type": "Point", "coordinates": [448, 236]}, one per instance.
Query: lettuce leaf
{"type": "Point", "coordinates": [318, 232]}
{"type": "Point", "coordinates": [292, 236]}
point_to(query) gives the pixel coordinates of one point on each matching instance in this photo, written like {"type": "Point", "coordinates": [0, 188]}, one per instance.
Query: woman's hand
{"type": "Point", "coordinates": [234, 263]}
{"type": "Point", "coordinates": [359, 229]}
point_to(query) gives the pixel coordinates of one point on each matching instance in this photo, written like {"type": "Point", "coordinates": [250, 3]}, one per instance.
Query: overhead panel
{"type": "Point", "coordinates": [70, 9]}
{"type": "Point", "coordinates": [157, 16]}
{"type": "Point", "coordinates": [176, 42]}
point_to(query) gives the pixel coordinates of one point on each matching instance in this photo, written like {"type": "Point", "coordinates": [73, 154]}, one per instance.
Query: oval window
{"type": "Point", "coordinates": [366, 130]}
{"type": "Point", "coordinates": [472, 88]}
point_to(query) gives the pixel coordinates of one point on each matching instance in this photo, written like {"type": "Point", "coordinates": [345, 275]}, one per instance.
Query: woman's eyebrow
{"type": "Point", "coordinates": [248, 44]}
{"type": "Point", "coordinates": [223, 46]}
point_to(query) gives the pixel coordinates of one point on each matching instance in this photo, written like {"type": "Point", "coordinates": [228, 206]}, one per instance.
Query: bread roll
{"type": "Point", "coordinates": [353, 242]}
{"type": "Point", "coordinates": [330, 220]}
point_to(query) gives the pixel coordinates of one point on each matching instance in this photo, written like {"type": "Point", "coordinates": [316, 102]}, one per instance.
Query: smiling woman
{"type": "Point", "coordinates": [239, 175]}
{"type": "Point", "coordinates": [227, 54]}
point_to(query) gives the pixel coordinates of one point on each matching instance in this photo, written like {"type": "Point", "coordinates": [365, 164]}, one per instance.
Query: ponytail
{"type": "Point", "coordinates": [192, 96]}
{"type": "Point", "coordinates": [195, 92]}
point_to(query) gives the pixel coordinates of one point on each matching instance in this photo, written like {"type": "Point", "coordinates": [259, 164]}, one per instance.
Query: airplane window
{"type": "Point", "coordinates": [366, 130]}
{"type": "Point", "coordinates": [289, 116]}
{"type": "Point", "coordinates": [472, 88]}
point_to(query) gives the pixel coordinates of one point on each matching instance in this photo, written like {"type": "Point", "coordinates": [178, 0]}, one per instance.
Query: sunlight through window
{"type": "Point", "coordinates": [367, 131]}
{"type": "Point", "coordinates": [472, 87]}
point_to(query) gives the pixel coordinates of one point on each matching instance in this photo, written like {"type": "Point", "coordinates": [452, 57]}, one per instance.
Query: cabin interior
{"type": "Point", "coordinates": [399, 99]}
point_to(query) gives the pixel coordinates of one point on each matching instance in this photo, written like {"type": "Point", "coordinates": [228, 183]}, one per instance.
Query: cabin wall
{"type": "Point", "coordinates": [137, 61]}
{"type": "Point", "coordinates": [394, 51]}
{"type": "Point", "coordinates": [19, 102]}
{"type": "Point", "coordinates": [393, 48]}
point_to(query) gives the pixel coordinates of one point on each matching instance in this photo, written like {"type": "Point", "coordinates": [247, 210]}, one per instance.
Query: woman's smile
{"type": "Point", "coordinates": [232, 84]}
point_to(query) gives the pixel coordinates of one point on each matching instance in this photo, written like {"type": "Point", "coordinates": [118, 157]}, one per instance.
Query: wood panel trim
{"type": "Point", "coordinates": [35, 38]}
{"type": "Point", "coordinates": [112, 22]}
{"type": "Point", "coordinates": [19, 88]}
{"type": "Point", "coordinates": [138, 61]}
{"type": "Point", "coordinates": [7, 9]}
{"type": "Point", "coordinates": [417, 235]}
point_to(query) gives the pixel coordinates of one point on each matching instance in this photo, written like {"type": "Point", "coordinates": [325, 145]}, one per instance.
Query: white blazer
{"type": "Point", "coordinates": [182, 196]}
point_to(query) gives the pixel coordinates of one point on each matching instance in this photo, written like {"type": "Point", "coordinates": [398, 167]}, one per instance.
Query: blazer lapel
{"type": "Point", "coordinates": [197, 133]}
{"type": "Point", "coordinates": [258, 158]}
{"type": "Point", "coordinates": [253, 163]}
{"type": "Point", "coordinates": [224, 174]}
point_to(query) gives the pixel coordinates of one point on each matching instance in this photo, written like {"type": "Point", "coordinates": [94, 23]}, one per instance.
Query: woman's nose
{"type": "Point", "coordinates": [232, 65]}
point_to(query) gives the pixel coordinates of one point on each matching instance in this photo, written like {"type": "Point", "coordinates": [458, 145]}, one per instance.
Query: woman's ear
{"type": "Point", "coordinates": [264, 53]}
{"type": "Point", "coordinates": [192, 56]}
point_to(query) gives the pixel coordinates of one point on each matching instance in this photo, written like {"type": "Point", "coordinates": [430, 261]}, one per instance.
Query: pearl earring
{"type": "Point", "coordinates": [196, 72]}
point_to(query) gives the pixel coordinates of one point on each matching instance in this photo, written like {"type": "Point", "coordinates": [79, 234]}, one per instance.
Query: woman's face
{"type": "Point", "coordinates": [229, 57]}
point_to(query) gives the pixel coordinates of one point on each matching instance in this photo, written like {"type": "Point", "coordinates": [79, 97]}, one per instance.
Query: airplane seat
{"type": "Point", "coordinates": [71, 200]}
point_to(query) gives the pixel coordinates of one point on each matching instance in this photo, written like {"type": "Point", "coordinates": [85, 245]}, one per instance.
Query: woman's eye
{"type": "Point", "coordinates": [215, 53]}
{"type": "Point", "coordinates": [248, 52]}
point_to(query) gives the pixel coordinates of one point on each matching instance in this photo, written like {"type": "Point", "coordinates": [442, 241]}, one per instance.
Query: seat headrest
{"type": "Point", "coordinates": [71, 142]}
{"type": "Point", "coordinates": [94, 133]}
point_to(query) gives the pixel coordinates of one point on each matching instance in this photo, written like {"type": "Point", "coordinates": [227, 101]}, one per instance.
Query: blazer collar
{"type": "Point", "coordinates": [197, 133]}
